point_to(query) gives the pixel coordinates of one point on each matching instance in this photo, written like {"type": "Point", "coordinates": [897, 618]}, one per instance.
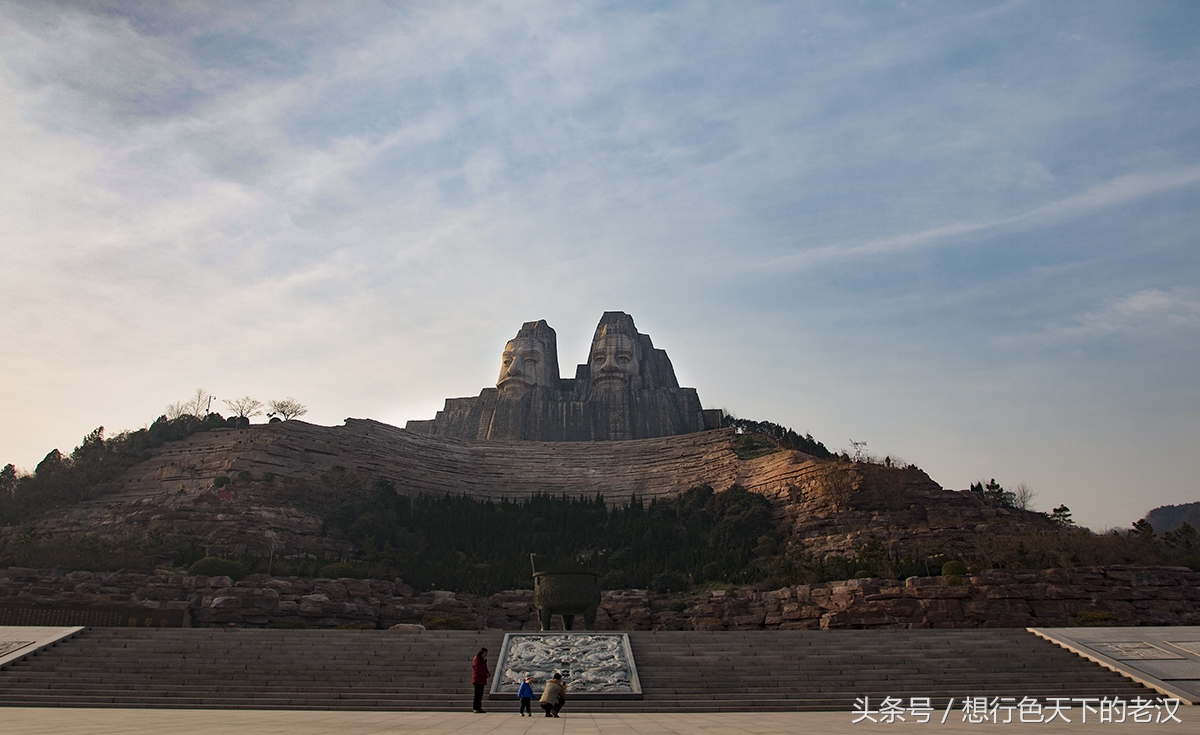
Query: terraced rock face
{"type": "Point", "coordinates": [831, 506]}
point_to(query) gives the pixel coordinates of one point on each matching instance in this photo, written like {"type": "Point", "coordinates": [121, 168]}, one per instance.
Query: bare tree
{"type": "Point", "coordinates": [199, 404]}
{"type": "Point", "coordinates": [244, 407]}
{"type": "Point", "coordinates": [1023, 496]}
{"type": "Point", "coordinates": [287, 409]}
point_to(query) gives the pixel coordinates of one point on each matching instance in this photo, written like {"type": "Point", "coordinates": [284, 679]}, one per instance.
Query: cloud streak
{"type": "Point", "coordinates": [1116, 192]}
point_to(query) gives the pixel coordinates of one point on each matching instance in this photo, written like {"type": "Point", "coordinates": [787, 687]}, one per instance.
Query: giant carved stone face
{"type": "Point", "coordinates": [523, 365]}
{"type": "Point", "coordinates": [615, 359]}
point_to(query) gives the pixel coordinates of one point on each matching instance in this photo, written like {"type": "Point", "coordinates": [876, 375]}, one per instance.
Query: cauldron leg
{"type": "Point", "coordinates": [568, 622]}
{"type": "Point", "coordinates": [544, 617]}
{"type": "Point", "coordinates": [589, 618]}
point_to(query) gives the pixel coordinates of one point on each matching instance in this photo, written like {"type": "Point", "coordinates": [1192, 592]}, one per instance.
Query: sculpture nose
{"type": "Point", "coordinates": [514, 368]}
{"type": "Point", "coordinates": [610, 365]}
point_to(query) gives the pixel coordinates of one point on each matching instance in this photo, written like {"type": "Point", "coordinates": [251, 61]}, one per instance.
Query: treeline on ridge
{"type": "Point", "coordinates": [61, 480]}
{"type": "Point", "coordinates": [782, 435]}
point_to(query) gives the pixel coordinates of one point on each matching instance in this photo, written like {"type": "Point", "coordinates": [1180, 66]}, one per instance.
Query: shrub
{"type": "Point", "coordinates": [615, 580]}
{"type": "Point", "coordinates": [1094, 619]}
{"type": "Point", "coordinates": [752, 446]}
{"type": "Point", "coordinates": [863, 574]}
{"type": "Point", "coordinates": [953, 567]}
{"type": "Point", "coordinates": [220, 481]}
{"type": "Point", "coordinates": [215, 566]}
{"type": "Point", "coordinates": [287, 624]}
{"type": "Point", "coordinates": [340, 569]}
{"type": "Point", "coordinates": [245, 476]}
{"type": "Point", "coordinates": [442, 622]}
{"type": "Point", "coordinates": [268, 477]}
{"type": "Point", "coordinates": [668, 581]}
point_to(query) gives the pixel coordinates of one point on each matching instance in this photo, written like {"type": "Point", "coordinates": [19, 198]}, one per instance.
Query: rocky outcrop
{"type": "Point", "coordinates": [832, 507]}
{"type": "Point", "coordinates": [994, 599]}
{"type": "Point", "coordinates": [626, 390]}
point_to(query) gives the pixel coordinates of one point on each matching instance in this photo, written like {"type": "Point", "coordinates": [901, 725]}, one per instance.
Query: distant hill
{"type": "Point", "coordinates": [1170, 517]}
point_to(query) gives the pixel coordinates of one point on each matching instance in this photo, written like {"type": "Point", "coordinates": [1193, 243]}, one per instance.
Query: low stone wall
{"type": "Point", "coordinates": [994, 599]}
{"type": "Point", "coordinates": [997, 598]}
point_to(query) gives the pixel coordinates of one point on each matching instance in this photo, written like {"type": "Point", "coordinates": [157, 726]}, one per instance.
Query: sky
{"type": "Point", "coordinates": [967, 234]}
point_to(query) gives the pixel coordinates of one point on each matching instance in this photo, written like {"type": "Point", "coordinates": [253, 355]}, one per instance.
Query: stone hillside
{"type": "Point", "coordinates": [832, 506]}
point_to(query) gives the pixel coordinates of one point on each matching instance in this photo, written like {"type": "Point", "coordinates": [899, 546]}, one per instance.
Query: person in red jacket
{"type": "Point", "coordinates": [479, 677]}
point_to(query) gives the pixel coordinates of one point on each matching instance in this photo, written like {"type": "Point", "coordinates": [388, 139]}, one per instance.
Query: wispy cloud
{"type": "Point", "coordinates": [1152, 314]}
{"type": "Point", "coordinates": [1115, 192]}
{"type": "Point", "coordinates": [362, 201]}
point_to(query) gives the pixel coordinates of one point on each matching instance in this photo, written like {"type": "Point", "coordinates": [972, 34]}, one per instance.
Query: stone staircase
{"type": "Point", "coordinates": [828, 670]}
{"type": "Point", "coordinates": [679, 671]}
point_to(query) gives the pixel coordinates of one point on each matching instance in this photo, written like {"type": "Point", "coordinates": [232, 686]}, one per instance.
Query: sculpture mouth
{"type": "Point", "coordinates": [611, 380]}
{"type": "Point", "coordinates": [511, 384]}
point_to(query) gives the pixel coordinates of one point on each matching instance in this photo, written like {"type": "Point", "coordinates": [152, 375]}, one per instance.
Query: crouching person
{"type": "Point", "coordinates": [554, 696]}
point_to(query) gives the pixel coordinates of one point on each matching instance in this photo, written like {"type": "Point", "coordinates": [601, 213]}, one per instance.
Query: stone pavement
{"type": "Point", "coordinates": [43, 721]}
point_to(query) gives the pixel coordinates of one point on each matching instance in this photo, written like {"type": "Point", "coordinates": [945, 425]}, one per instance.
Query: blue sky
{"type": "Point", "coordinates": [965, 233]}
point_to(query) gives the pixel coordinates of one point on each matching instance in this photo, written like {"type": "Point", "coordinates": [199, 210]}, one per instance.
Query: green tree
{"type": "Point", "coordinates": [1062, 516]}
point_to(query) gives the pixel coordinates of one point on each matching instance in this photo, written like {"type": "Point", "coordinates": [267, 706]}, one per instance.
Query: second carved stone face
{"type": "Point", "coordinates": [523, 365]}
{"type": "Point", "coordinates": [614, 361]}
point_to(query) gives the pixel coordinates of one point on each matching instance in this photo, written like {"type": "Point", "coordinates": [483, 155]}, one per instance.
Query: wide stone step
{"type": "Point", "coordinates": [682, 672]}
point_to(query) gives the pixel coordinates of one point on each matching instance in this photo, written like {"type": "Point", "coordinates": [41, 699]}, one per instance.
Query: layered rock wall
{"type": "Point", "coordinates": [997, 598]}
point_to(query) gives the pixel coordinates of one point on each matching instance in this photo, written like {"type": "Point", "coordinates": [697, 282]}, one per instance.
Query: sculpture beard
{"type": "Point", "coordinates": [523, 365]}
{"type": "Point", "coordinates": [614, 362]}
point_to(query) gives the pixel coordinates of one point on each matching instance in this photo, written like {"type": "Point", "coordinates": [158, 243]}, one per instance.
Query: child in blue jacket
{"type": "Point", "coordinates": [526, 695]}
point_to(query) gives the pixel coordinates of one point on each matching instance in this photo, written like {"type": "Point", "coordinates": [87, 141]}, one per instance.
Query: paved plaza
{"type": "Point", "coordinates": [43, 721]}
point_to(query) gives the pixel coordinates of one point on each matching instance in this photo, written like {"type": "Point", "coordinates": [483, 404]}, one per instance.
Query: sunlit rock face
{"type": "Point", "coordinates": [625, 390]}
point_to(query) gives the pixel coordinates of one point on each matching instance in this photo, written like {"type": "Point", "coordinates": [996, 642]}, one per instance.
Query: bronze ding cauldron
{"type": "Point", "coordinates": [567, 594]}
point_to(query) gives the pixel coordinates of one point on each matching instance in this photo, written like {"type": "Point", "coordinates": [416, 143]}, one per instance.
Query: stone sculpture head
{"type": "Point", "coordinates": [529, 359]}
{"type": "Point", "coordinates": [615, 359]}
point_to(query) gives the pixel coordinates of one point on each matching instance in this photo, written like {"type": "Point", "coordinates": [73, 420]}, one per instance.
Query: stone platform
{"type": "Point", "coordinates": [19, 641]}
{"type": "Point", "coordinates": [1166, 659]}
